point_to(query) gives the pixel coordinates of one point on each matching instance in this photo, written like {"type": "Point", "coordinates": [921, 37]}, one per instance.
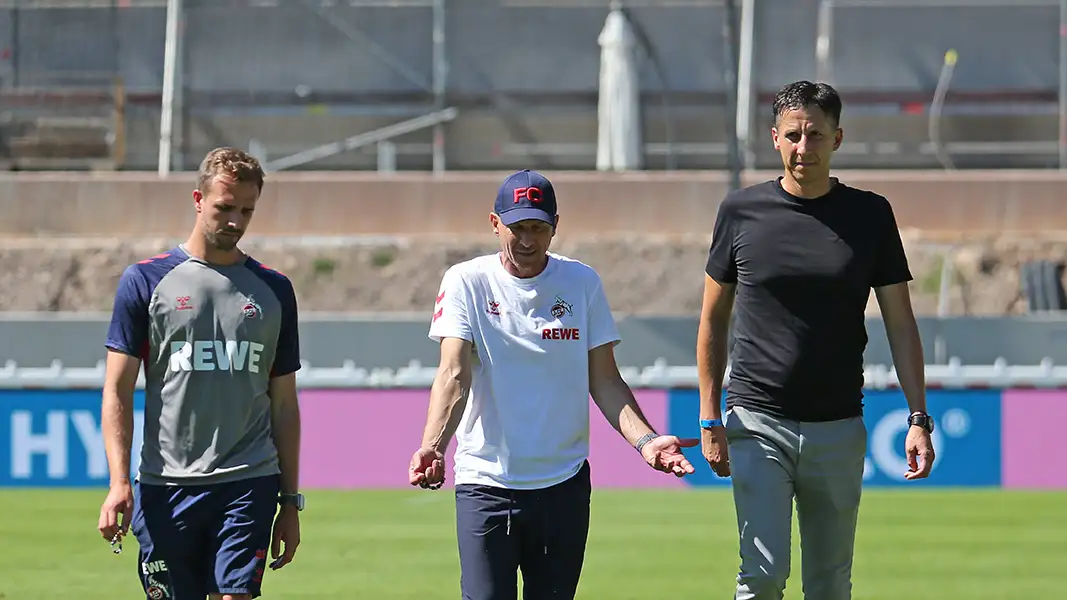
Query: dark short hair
{"type": "Point", "coordinates": [231, 162]}
{"type": "Point", "coordinates": [805, 94]}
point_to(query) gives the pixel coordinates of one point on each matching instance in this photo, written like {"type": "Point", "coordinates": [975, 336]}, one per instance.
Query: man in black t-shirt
{"type": "Point", "coordinates": [796, 258]}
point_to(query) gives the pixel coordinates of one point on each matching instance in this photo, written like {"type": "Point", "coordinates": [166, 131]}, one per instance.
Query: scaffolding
{"type": "Point", "coordinates": [440, 112]}
{"type": "Point", "coordinates": [825, 69]}
{"type": "Point", "coordinates": [172, 83]}
{"type": "Point", "coordinates": [298, 79]}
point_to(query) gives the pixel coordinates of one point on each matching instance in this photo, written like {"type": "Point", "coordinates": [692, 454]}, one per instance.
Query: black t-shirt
{"type": "Point", "coordinates": [804, 269]}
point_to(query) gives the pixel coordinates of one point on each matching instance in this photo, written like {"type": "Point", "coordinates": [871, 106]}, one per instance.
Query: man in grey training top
{"type": "Point", "coordinates": [216, 333]}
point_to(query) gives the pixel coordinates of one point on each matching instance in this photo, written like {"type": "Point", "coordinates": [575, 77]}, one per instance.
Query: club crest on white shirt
{"type": "Point", "coordinates": [560, 308]}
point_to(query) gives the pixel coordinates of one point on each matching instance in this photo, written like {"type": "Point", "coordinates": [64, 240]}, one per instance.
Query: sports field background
{"type": "Point", "coordinates": [304, 81]}
{"type": "Point", "coordinates": [918, 545]}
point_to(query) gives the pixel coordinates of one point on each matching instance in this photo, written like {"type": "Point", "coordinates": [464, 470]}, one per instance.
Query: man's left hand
{"type": "Point", "coordinates": [287, 530]}
{"type": "Point", "coordinates": [919, 448]}
{"type": "Point", "coordinates": [665, 454]}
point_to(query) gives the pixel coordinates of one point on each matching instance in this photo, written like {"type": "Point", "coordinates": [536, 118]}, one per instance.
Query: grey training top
{"type": "Point", "coordinates": [210, 338]}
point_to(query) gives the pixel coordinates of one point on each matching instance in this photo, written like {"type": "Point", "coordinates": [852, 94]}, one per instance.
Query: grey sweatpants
{"type": "Point", "coordinates": [821, 465]}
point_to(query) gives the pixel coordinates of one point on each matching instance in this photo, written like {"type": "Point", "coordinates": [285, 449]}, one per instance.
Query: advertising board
{"type": "Point", "coordinates": [350, 439]}
{"type": "Point", "coordinates": [1034, 455]}
{"type": "Point", "coordinates": [364, 439]}
{"type": "Point", "coordinates": [966, 437]}
{"type": "Point", "coordinates": [53, 438]}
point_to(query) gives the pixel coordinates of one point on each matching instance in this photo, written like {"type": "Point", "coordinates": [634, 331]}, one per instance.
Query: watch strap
{"type": "Point", "coordinates": [921, 419]}
{"type": "Point", "coordinates": [296, 499]}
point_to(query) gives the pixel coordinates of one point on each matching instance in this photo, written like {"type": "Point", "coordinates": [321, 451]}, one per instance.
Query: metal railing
{"type": "Point", "coordinates": [659, 375]}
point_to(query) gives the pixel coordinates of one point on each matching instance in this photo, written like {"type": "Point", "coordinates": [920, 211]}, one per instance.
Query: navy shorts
{"type": "Point", "coordinates": [540, 532]}
{"type": "Point", "coordinates": [204, 539]}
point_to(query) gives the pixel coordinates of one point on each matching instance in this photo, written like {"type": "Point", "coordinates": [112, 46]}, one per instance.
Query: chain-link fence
{"type": "Point", "coordinates": [948, 83]}
{"type": "Point", "coordinates": [487, 84]}
{"type": "Point", "coordinates": [522, 76]}
{"type": "Point", "coordinates": [62, 94]}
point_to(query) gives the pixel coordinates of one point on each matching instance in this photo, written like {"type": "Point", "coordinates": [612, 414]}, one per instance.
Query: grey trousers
{"type": "Point", "coordinates": [773, 461]}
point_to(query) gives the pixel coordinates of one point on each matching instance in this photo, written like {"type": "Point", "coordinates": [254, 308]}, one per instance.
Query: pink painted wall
{"type": "Point", "coordinates": [1033, 452]}
{"type": "Point", "coordinates": [364, 439]}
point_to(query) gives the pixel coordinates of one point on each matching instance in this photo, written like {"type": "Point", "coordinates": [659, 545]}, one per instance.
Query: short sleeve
{"type": "Point", "coordinates": [891, 264]}
{"type": "Point", "coordinates": [128, 331]}
{"type": "Point", "coordinates": [451, 317]}
{"type": "Point", "coordinates": [722, 256]}
{"type": "Point", "coordinates": [602, 327]}
{"type": "Point", "coordinates": [287, 354]}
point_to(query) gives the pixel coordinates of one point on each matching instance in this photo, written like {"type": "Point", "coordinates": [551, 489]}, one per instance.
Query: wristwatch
{"type": "Point", "coordinates": [296, 500]}
{"type": "Point", "coordinates": [922, 420]}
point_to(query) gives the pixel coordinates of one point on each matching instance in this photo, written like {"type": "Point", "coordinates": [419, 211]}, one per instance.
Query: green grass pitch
{"type": "Point", "coordinates": [924, 544]}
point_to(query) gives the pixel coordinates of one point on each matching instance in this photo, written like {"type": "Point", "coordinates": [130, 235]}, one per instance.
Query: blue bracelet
{"type": "Point", "coordinates": [709, 423]}
{"type": "Point", "coordinates": [645, 439]}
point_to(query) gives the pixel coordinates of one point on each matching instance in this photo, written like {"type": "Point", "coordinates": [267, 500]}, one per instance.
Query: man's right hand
{"type": "Point", "coordinates": [427, 469]}
{"type": "Point", "coordinates": [119, 500]}
{"type": "Point", "coordinates": [713, 446]}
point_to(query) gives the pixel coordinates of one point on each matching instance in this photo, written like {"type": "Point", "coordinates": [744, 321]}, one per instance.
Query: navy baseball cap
{"type": "Point", "coordinates": [526, 195]}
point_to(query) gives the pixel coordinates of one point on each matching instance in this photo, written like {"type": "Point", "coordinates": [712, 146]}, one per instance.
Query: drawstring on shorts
{"type": "Point", "coordinates": [511, 504]}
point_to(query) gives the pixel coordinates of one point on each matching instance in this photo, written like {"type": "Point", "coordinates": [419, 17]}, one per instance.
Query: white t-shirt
{"type": "Point", "coordinates": [526, 424]}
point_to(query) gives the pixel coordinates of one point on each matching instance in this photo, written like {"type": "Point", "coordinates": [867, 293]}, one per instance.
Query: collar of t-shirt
{"type": "Point", "coordinates": [835, 186]}
{"type": "Point", "coordinates": [550, 267]}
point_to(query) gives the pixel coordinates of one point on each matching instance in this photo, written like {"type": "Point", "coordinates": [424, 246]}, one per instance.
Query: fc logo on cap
{"type": "Point", "coordinates": [530, 193]}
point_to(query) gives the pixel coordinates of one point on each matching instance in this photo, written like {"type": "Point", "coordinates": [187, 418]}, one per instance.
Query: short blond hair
{"type": "Point", "coordinates": [232, 162]}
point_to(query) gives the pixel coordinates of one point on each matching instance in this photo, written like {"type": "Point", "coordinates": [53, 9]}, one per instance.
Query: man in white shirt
{"type": "Point", "coordinates": [527, 336]}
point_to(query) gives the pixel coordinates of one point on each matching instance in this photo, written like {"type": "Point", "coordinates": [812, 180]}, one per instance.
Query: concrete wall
{"type": "Point", "coordinates": [142, 205]}
{"type": "Point", "coordinates": [389, 341]}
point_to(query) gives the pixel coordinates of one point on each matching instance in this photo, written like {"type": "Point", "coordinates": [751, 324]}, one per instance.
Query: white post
{"type": "Point", "coordinates": [823, 41]}
{"type": "Point", "coordinates": [440, 75]}
{"type": "Point", "coordinates": [170, 82]}
{"type": "Point", "coordinates": [386, 157]}
{"type": "Point", "coordinates": [745, 83]}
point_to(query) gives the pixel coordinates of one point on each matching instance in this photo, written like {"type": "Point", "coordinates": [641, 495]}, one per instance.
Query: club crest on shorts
{"type": "Point", "coordinates": [560, 308]}
{"type": "Point", "coordinates": [251, 309]}
{"type": "Point", "coordinates": [157, 590]}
